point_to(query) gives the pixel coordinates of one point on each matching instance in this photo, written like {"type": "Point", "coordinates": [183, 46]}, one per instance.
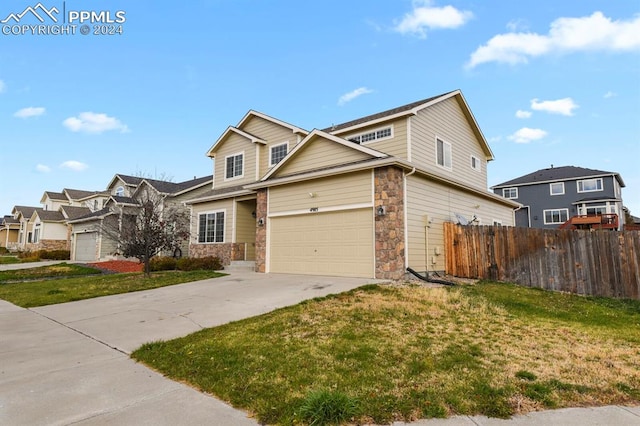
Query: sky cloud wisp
{"type": "Point", "coordinates": [91, 122]}
{"type": "Point", "coordinates": [588, 33]}
{"type": "Point", "coordinates": [76, 166]}
{"type": "Point", "coordinates": [564, 106]}
{"type": "Point", "coordinates": [42, 168]}
{"type": "Point", "coordinates": [425, 16]}
{"type": "Point", "coordinates": [348, 97]}
{"type": "Point", "coordinates": [29, 112]}
{"type": "Point", "coordinates": [526, 135]}
{"type": "Point", "coordinates": [523, 114]}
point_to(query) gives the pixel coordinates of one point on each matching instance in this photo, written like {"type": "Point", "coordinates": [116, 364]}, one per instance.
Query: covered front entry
{"type": "Point", "coordinates": [339, 243]}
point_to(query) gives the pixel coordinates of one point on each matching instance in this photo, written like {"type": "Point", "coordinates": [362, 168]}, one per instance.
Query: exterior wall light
{"type": "Point", "coordinates": [381, 210]}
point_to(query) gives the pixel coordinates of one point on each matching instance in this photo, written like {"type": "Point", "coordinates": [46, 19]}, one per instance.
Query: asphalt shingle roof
{"type": "Point", "coordinates": [77, 194]}
{"type": "Point", "coordinates": [50, 215]}
{"type": "Point", "coordinates": [73, 212]}
{"type": "Point", "coordinates": [557, 173]}
{"type": "Point", "coordinates": [26, 211]}
{"type": "Point", "coordinates": [382, 114]}
{"type": "Point", "coordinates": [56, 195]}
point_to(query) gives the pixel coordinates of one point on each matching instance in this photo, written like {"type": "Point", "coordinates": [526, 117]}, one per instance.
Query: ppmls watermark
{"type": "Point", "coordinates": [40, 20]}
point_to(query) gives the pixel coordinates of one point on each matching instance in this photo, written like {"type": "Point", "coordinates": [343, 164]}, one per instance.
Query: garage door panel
{"type": "Point", "coordinates": [86, 246]}
{"type": "Point", "coordinates": [334, 243]}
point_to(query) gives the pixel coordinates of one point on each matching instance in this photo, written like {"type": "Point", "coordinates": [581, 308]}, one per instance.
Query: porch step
{"type": "Point", "coordinates": [241, 265]}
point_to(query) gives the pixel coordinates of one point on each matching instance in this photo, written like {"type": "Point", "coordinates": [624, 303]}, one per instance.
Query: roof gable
{"type": "Point", "coordinates": [25, 211]}
{"type": "Point", "coordinates": [47, 215]}
{"type": "Point", "coordinates": [232, 130]}
{"type": "Point", "coordinates": [320, 150]}
{"type": "Point", "coordinates": [413, 109]}
{"type": "Point", "coordinates": [125, 180]}
{"type": "Point", "coordinates": [57, 196]}
{"type": "Point", "coordinates": [253, 113]}
{"type": "Point", "coordinates": [74, 212]}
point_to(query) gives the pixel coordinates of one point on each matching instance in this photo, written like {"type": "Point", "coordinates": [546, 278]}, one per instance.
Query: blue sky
{"type": "Point", "coordinates": [549, 82]}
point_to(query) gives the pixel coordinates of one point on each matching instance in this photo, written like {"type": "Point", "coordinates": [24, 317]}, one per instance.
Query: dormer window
{"type": "Point", "coordinates": [277, 153]}
{"type": "Point", "coordinates": [234, 166]}
{"type": "Point", "coordinates": [120, 191]}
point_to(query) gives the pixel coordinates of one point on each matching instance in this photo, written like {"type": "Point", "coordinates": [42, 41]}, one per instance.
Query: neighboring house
{"type": "Point", "coordinates": [93, 200]}
{"type": "Point", "coordinates": [550, 197]}
{"type": "Point", "coordinates": [9, 231]}
{"type": "Point", "coordinates": [48, 231]}
{"type": "Point", "coordinates": [366, 198]}
{"type": "Point", "coordinates": [90, 243]}
{"type": "Point", "coordinates": [22, 214]}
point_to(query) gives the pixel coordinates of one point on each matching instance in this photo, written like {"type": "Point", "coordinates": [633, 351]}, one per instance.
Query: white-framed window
{"type": "Point", "coordinates": [556, 188]}
{"type": "Point", "coordinates": [510, 193]}
{"type": "Point", "coordinates": [592, 210]}
{"type": "Point", "coordinates": [443, 153]}
{"type": "Point", "coordinates": [211, 227]}
{"type": "Point", "coordinates": [36, 233]}
{"type": "Point", "coordinates": [234, 166]}
{"type": "Point", "coordinates": [555, 216]}
{"type": "Point", "coordinates": [590, 185]}
{"type": "Point", "coordinates": [277, 153]}
{"type": "Point", "coordinates": [372, 135]}
{"type": "Point", "coordinates": [120, 191]}
{"type": "Point", "coordinates": [475, 163]}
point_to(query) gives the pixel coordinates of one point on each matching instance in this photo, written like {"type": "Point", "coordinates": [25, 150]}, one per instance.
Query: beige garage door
{"type": "Point", "coordinates": [335, 243]}
{"type": "Point", "coordinates": [86, 246]}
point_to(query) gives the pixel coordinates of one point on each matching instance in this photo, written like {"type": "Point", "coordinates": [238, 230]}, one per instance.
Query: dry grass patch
{"type": "Point", "coordinates": [405, 353]}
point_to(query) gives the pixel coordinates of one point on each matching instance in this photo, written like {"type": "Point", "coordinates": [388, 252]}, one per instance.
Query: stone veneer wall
{"type": "Point", "coordinates": [261, 231]}
{"type": "Point", "coordinates": [48, 245]}
{"type": "Point", "coordinates": [390, 250]}
{"type": "Point", "coordinates": [227, 252]}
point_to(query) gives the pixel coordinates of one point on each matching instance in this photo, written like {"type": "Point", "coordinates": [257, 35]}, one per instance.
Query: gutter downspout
{"type": "Point", "coordinates": [406, 227]}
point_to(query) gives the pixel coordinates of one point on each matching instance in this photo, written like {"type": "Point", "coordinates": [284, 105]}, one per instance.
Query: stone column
{"type": "Point", "coordinates": [390, 250]}
{"type": "Point", "coordinates": [261, 230]}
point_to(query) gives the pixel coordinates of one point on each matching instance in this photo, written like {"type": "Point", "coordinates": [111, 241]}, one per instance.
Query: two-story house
{"type": "Point", "coordinates": [551, 197]}
{"type": "Point", "coordinates": [9, 231]}
{"type": "Point", "coordinates": [365, 198]}
{"type": "Point", "coordinates": [89, 242]}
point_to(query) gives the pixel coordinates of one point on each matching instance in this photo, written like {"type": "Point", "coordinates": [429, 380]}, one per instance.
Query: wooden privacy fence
{"type": "Point", "coordinates": [596, 263]}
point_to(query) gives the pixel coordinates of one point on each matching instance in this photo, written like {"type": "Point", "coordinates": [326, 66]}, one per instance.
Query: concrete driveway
{"type": "Point", "coordinates": [68, 364]}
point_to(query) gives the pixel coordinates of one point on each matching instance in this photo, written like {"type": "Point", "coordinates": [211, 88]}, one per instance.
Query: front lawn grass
{"type": "Point", "coordinates": [51, 271]}
{"type": "Point", "coordinates": [394, 353]}
{"type": "Point", "coordinates": [49, 292]}
{"type": "Point", "coordinates": [7, 260]}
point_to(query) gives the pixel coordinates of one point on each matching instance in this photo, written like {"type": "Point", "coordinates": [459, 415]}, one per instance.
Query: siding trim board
{"type": "Point", "coordinates": [316, 210]}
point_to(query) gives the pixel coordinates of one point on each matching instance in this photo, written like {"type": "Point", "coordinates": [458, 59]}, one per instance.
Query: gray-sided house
{"type": "Point", "coordinates": [552, 197]}
{"type": "Point", "coordinates": [366, 198]}
{"type": "Point", "coordinates": [90, 243]}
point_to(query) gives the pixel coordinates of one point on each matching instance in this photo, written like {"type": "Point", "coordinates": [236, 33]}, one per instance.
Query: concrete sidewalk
{"type": "Point", "coordinates": [68, 364]}
{"type": "Point", "coordinates": [27, 265]}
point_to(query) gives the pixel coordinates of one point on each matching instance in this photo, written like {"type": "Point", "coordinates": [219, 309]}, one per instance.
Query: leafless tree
{"type": "Point", "coordinates": [147, 228]}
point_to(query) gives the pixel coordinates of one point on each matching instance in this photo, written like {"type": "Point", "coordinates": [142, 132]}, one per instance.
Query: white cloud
{"type": "Point", "coordinates": [3, 86]}
{"type": "Point", "coordinates": [425, 16]}
{"type": "Point", "coordinates": [523, 114]}
{"type": "Point", "coordinates": [564, 106]}
{"type": "Point", "coordinates": [526, 135]}
{"type": "Point", "coordinates": [610, 94]}
{"type": "Point", "coordinates": [347, 97]}
{"type": "Point", "coordinates": [517, 24]}
{"type": "Point", "coordinates": [589, 33]}
{"type": "Point", "coordinates": [74, 165]}
{"type": "Point", "coordinates": [91, 122]}
{"type": "Point", "coordinates": [29, 112]}
{"type": "Point", "coordinates": [43, 169]}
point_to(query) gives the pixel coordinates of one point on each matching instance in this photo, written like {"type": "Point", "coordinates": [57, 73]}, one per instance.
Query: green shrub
{"type": "Point", "coordinates": [30, 259]}
{"type": "Point", "coordinates": [325, 407]}
{"type": "Point", "coordinates": [163, 263]}
{"type": "Point", "coordinates": [54, 254]}
{"type": "Point", "coordinates": [29, 255]}
{"type": "Point", "coordinates": [211, 263]}
{"type": "Point", "coordinates": [3, 250]}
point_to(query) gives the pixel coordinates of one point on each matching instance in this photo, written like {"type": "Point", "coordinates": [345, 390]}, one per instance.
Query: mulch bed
{"type": "Point", "coordinates": [118, 266]}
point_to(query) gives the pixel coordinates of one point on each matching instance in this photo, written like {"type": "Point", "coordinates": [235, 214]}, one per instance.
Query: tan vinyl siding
{"type": "Point", "coordinates": [440, 203]}
{"type": "Point", "coordinates": [347, 189]}
{"type": "Point", "coordinates": [212, 206]}
{"type": "Point", "coordinates": [53, 231]}
{"type": "Point", "coordinates": [246, 227]}
{"type": "Point", "coordinates": [235, 144]}
{"type": "Point", "coordinates": [395, 146]}
{"type": "Point", "coordinates": [108, 246]}
{"type": "Point", "coordinates": [271, 132]}
{"type": "Point", "coordinates": [320, 153]}
{"type": "Point", "coordinates": [447, 121]}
